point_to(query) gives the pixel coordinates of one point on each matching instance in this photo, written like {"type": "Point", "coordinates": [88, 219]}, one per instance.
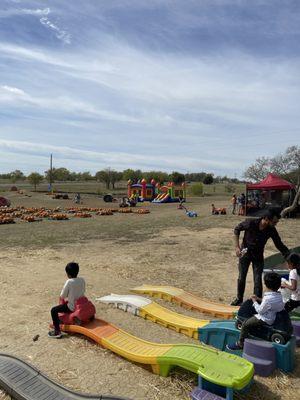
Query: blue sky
{"type": "Point", "coordinates": [187, 85]}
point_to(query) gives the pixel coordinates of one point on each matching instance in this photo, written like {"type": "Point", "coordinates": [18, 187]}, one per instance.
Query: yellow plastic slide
{"type": "Point", "coordinates": [189, 300]}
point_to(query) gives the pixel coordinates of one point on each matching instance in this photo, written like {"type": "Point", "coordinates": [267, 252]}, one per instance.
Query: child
{"type": "Point", "coordinates": [214, 210]}
{"type": "Point", "coordinates": [293, 283]}
{"type": "Point", "coordinates": [73, 289]}
{"type": "Point", "coordinates": [271, 304]}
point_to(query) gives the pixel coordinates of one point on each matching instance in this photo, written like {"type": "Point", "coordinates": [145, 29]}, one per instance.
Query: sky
{"type": "Point", "coordinates": [185, 85]}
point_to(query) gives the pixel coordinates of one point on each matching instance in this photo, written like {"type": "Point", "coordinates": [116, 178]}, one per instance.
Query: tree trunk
{"type": "Point", "coordinates": [291, 208]}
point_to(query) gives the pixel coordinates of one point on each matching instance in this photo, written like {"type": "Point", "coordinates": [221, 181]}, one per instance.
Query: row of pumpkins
{"type": "Point", "coordinates": [8, 214]}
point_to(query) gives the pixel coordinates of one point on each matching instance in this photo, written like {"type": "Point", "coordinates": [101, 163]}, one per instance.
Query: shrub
{"type": "Point", "coordinates": [197, 189]}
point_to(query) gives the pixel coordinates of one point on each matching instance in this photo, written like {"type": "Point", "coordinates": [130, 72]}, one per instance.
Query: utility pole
{"type": "Point", "coordinates": [50, 176]}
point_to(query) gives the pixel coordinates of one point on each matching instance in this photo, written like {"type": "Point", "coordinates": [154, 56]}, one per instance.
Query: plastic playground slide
{"type": "Point", "coordinates": [214, 333]}
{"type": "Point", "coordinates": [161, 198]}
{"type": "Point", "coordinates": [22, 381]}
{"type": "Point", "coordinates": [217, 367]}
{"type": "Point", "coordinates": [152, 311]}
{"type": "Point", "coordinates": [188, 300]}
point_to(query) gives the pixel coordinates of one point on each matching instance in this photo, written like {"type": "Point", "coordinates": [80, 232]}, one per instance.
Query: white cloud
{"type": "Point", "coordinates": [201, 109]}
{"type": "Point", "coordinates": [37, 11]}
{"type": "Point", "coordinates": [62, 104]}
{"type": "Point", "coordinates": [65, 156]}
{"type": "Point", "coordinates": [22, 53]}
{"type": "Point", "coordinates": [10, 12]}
{"type": "Point", "coordinates": [59, 33]}
{"type": "Point", "coordinates": [206, 103]}
{"type": "Point", "coordinates": [13, 90]}
{"type": "Point", "coordinates": [42, 14]}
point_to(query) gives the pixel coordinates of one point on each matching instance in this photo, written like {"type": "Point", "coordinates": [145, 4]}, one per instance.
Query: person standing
{"type": "Point", "coordinates": [256, 234]}
{"type": "Point", "coordinates": [242, 208]}
{"type": "Point", "coordinates": [239, 204]}
{"type": "Point", "coordinates": [233, 203]}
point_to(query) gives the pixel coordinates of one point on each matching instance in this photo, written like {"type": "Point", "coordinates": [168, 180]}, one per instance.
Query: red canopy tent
{"type": "Point", "coordinates": [272, 191]}
{"type": "Point", "coordinates": [271, 182]}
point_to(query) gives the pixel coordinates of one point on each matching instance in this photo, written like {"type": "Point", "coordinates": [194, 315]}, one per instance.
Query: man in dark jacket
{"type": "Point", "coordinates": [257, 233]}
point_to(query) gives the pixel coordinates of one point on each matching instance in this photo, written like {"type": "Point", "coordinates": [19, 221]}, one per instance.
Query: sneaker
{"type": "Point", "coordinates": [54, 335]}
{"type": "Point", "coordinates": [236, 302]}
{"type": "Point", "coordinates": [233, 347]}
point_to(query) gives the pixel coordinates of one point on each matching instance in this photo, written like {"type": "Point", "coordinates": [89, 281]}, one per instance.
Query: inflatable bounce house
{"type": "Point", "coordinates": [169, 193]}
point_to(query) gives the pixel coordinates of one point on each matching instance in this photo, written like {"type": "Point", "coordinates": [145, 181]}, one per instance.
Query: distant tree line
{"type": "Point", "coordinates": [110, 177]}
{"type": "Point", "coordinates": [286, 164]}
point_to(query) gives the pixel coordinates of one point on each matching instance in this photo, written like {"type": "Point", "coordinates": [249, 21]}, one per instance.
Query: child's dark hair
{"type": "Point", "coordinates": [72, 269]}
{"type": "Point", "coordinates": [272, 281]}
{"type": "Point", "coordinates": [294, 259]}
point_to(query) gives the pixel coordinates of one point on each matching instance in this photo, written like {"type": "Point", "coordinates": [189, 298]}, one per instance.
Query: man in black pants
{"type": "Point", "coordinates": [257, 233]}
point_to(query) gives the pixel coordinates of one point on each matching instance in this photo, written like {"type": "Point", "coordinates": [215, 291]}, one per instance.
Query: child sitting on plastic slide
{"type": "Point", "coordinates": [293, 284]}
{"type": "Point", "coordinates": [73, 289]}
{"type": "Point", "coordinates": [271, 304]}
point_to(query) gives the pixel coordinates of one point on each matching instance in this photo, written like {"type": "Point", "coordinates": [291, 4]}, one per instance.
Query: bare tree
{"type": "Point", "coordinates": [294, 153]}
{"type": "Point", "coordinates": [292, 207]}
{"type": "Point", "coordinates": [280, 164]}
{"type": "Point", "coordinates": [259, 170]}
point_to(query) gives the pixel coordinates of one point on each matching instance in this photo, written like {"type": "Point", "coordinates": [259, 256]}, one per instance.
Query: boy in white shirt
{"type": "Point", "coordinates": [73, 289]}
{"type": "Point", "coordinates": [293, 284]}
{"type": "Point", "coordinates": [270, 305]}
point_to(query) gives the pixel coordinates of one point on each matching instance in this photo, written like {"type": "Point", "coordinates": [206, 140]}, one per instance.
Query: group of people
{"type": "Point", "coordinates": [238, 204]}
{"type": "Point", "coordinates": [266, 308]}
{"type": "Point", "coordinates": [129, 201]}
{"type": "Point", "coordinates": [249, 251]}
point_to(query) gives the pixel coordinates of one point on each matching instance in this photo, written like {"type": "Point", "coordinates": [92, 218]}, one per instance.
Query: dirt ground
{"type": "Point", "coordinates": [115, 254]}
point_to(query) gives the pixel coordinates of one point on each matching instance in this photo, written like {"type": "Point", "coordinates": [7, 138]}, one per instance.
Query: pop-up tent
{"type": "Point", "coordinates": [271, 192]}
{"type": "Point", "coordinates": [271, 182]}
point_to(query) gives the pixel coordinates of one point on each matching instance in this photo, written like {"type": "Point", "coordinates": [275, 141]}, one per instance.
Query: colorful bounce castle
{"type": "Point", "coordinates": [155, 192]}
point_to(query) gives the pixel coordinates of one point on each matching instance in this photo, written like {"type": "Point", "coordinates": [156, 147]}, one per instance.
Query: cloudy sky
{"type": "Point", "coordinates": [187, 85]}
